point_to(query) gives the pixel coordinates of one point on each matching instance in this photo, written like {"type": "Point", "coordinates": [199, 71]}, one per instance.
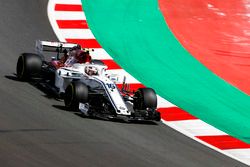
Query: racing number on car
{"type": "Point", "coordinates": [111, 86]}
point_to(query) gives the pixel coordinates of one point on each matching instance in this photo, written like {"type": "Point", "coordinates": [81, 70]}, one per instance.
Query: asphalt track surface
{"type": "Point", "coordinates": [35, 130]}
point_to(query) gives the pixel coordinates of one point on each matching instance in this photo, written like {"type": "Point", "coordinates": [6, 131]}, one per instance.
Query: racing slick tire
{"type": "Point", "coordinates": [28, 65]}
{"type": "Point", "coordinates": [75, 93]}
{"type": "Point", "coordinates": [97, 62]}
{"type": "Point", "coordinates": [145, 98]}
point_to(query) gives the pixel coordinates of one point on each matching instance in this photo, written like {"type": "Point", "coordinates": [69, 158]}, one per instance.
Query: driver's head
{"type": "Point", "coordinates": [90, 70]}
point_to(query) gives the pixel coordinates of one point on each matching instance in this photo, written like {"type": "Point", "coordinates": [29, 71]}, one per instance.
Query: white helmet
{"type": "Point", "coordinates": [91, 70]}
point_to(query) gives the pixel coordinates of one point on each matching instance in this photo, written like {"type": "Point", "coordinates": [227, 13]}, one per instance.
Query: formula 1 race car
{"type": "Point", "coordinates": [85, 85]}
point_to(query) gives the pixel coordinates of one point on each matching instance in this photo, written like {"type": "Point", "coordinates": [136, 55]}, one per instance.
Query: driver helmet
{"type": "Point", "coordinates": [91, 70]}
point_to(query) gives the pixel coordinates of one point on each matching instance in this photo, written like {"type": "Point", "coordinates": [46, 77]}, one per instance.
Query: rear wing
{"type": "Point", "coordinates": [49, 46]}
{"type": "Point", "coordinates": [58, 47]}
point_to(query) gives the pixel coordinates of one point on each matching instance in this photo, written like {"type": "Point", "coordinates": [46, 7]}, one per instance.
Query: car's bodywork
{"type": "Point", "coordinates": [97, 93]}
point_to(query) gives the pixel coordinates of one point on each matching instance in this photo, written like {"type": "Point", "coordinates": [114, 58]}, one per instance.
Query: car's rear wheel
{"type": "Point", "coordinates": [28, 65]}
{"type": "Point", "coordinates": [145, 98]}
{"type": "Point", "coordinates": [75, 93]}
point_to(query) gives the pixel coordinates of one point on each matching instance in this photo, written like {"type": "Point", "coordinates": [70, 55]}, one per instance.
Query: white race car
{"type": "Point", "coordinates": [87, 87]}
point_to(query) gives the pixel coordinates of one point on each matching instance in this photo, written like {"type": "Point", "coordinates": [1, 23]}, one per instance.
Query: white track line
{"type": "Point", "coordinates": [100, 54]}
{"type": "Point", "coordinates": [52, 19]}
{"type": "Point", "coordinates": [197, 128]}
{"type": "Point", "coordinates": [162, 103]}
{"type": "Point", "coordinates": [68, 2]}
{"type": "Point", "coordinates": [60, 15]}
{"type": "Point", "coordinates": [240, 153]}
{"type": "Point", "coordinates": [77, 33]}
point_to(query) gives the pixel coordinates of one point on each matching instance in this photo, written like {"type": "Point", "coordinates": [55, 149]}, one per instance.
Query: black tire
{"type": "Point", "coordinates": [75, 93]}
{"type": "Point", "coordinates": [97, 62]}
{"type": "Point", "coordinates": [28, 65]}
{"type": "Point", "coordinates": [145, 98]}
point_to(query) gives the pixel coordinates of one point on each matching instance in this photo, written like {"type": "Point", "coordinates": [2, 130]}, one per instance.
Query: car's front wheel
{"type": "Point", "coordinates": [145, 98]}
{"type": "Point", "coordinates": [75, 93]}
